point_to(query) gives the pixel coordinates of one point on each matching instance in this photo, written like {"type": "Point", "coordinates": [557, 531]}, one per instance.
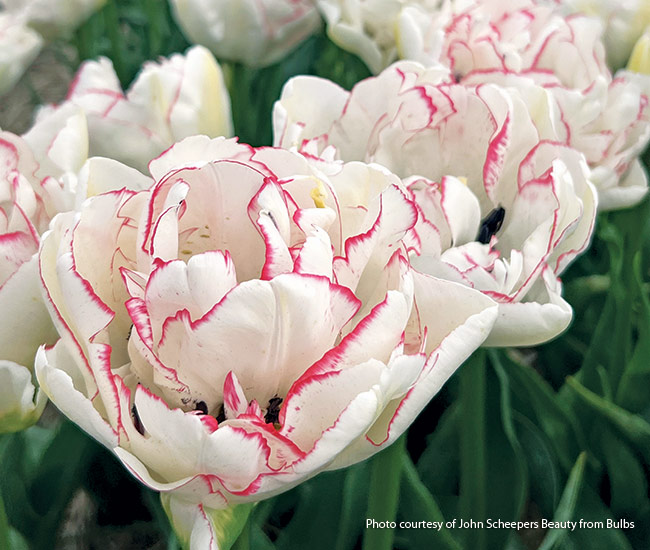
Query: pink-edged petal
{"type": "Point", "coordinates": [295, 106]}
{"type": "Point", "coordinates": [459, 303]}
{"type": "Point", "coordinates": [178, 446]}
{"type": "Point", "coordinates": [24, 320]}
{"type": "Point", "coordinates": [630, 191]}
{"type": "Point", "coordinates": [278, 257]}
{"type": "Point", "coordinates": [68, 396]}
{"type": "Point", "coordinates": [100, 175]}
{"type": "Point", "coordinates": [196, 287]}
{"type": "Point", "coordinates": [367, 254]}
{"type": "Point", "coordinates": [533, 322]}
{"type": "Point", "coordinates": [192, 524]}
{"type": "Point", "coordinates": [285, 324]}
{"type": "Point", "coordinates": [234, 400]}
{"type": "Point", "coordinates": [326, 412]}
{"type": "Point", "coordinates": [316, 255]}
{"type": "Point", "coordinates": [450, 352]}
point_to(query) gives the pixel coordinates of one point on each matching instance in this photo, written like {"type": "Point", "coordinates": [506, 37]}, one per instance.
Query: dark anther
{"type": "Point", "coordinates": [491, 224]}
{"type": "Point", "coordinates": [273, 410]}
{"type": "Point", "coordinates": [129, 335]}
{"type": "Point", "coordinates": [136, 420]}
{"type": "Point", "coordinates": [221, 417]}
{"type": "Point", "coordinates": [457, 77]}
{"type": "Point", "coordinates": [201, 407]}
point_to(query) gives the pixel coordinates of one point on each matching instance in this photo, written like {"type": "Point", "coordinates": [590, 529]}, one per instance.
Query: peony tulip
{"type": "Point", "coordinates": [367, 27]}
{"type": "Point", "coordinates": [44, 172]}
{"type": "Point", "coordinates": [19, 46]}
{"type": "Point", "coordinates": [52, 18]}
{"type": "Point", "coordinates": [178, 97]}
{"type": "Point", "coordinates": [254, 32]}
{"type": "Point", "coordinates": [248, 321]}
{"type": "Point", "coordinates": [607, 119]}
{"type": "Point", "coordinates": [624, 22]}
{"type": "Point", "coordinates": [518, 208]}
{"type": "Point", "coordinates": [28, 190]}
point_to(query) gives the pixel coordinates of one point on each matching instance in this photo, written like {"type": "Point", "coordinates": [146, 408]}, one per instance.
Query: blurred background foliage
{"type": "Point", "coordinates": [560, 432]}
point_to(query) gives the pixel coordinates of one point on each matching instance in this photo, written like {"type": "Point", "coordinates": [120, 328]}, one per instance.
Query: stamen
{"type": "Point", "coordinates": [491, 224]}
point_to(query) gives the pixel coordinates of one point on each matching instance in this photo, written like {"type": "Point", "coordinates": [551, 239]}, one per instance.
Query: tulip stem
{"type": "Point", "coordinates": [383, 495]}
{"type": "Point", "coordinates": [473, 477]}
{"type": "Point", "coordinates": [4, 526]}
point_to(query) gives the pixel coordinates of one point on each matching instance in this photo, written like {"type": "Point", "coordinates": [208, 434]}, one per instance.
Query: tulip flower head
{"type": "Point", "coordinates": [249, 320]}
{"type": "Point", "coordinates": [500, 209]}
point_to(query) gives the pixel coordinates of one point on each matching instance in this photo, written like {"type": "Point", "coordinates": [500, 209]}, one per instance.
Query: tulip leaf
{"type": "Point", "coordinates": [632, 390]}
{"type": "Point", "coordinates": [418, 505]}
{"type": "Point", "coordinates": [544, 483]}
{"type": "Point", "coordinates": [632, 426]}
{"type": "Point", "coordinates": [628, 483]}
{"type": "Point", "coordinates": [545, 409]}
{"type": "Point", "coordinates": [590, 508]}
{"type": "Point", "coordinates": [521, 472]}
{"type": "Point", "coordinates": [338, 499]}
{"type": "Point", "coordinates": [566, 508]}
{"type": "Point", "coordinates": [438, 464]}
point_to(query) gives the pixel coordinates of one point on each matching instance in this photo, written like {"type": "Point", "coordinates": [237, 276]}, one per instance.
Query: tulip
{"type": "Point", "coordinates": [624, 22]}
{"type": "Point", "coordinates": [247, 322]}
{"type": "Point", "coordinates": [44, 172]}
{"type": "Point", "coordinates": [175, 98]}
{"type": "Point", "coordinates": [500, 209]}
{"type": "Point", "coordinates": [253, 32]}
{"type": "Point", "coordinates": [639, 61]}
{"type": "Point", "coordinates": [19, 46]}
{"type": "Point", "coordinates": [52, 18]}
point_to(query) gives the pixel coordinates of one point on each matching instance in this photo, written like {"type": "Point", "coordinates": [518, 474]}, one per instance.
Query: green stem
{"type": "Point", "coordinates": [383, 495]}
{"type": "Point", "coordinates": [473, 480]}
{"type": "Point", "coordinates": [4, 526]}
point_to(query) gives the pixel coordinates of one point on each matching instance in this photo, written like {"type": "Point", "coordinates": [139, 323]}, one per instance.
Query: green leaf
{"type": "Point", "coordinates": [591, 509]}
{"type": "Point", "coordinates": [438, 464]}
{"type": "Point", "coordinates": [632, 426]}
{"type": "Point", "coordinates": [546, 409]}
{"type": "Point", "coordinates": [338, 499]}
{"type": "Point", "coordinates": [544, 483]}
{"type": "Point", "coordinates": [632, 391]}
{"type": "Point", "coordinates": [520, 487]}
{"type": "Point", "coordinates": [566, 509]}
{"type": "Point", "coordinates": [417, 504]}
{"type": "Point", "coordinates": [628, 483]}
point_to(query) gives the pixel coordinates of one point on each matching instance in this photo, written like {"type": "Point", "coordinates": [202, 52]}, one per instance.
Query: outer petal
{"type": "Point", "coordinates": [24, 320]}
{"type": "Point", "coordinates": [531, 323]}
{"type": "Point", "coordinates": [19, 46]}
{"type": "Point", "coordinates": [69, 394]}
{"type": "Point", "coordinates": [182, 96]}
{"type": "Point", "coordinates": [450, 344]}
{"type": "Point", "coordinates": [20, 403]}
{"type": "Point", "coordinates": [256, 33]}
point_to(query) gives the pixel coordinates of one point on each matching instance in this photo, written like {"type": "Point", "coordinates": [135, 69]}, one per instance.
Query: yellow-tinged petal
{"type": "Point", "coordinates": [640, 59]}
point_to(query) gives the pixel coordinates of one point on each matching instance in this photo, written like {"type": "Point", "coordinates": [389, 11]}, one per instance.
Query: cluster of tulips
{"type": "Point", "coordinates": [231, 320]}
